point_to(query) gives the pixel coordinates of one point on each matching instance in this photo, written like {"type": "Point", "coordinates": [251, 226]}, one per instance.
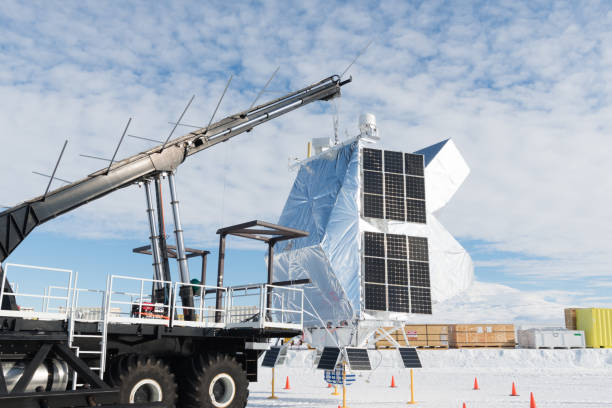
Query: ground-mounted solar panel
{"type": "Point", "coordinates": [410, 358]}
{"type": "Point", "coordinates": [271, 357]}
{"type": "Point", "coordinates": [358, 359]}
{"type": "Point", "coordinates": [414, 164]}
{"type": "Point", "coordinates": [329, 358]}
{"type": "Point", "coordinates": [372, 159]}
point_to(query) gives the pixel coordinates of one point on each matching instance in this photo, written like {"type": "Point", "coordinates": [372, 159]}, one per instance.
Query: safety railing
{"type": "Point", "coordinates": [204, 312]}
{"type": "Point", "coordinates": [128, 300]}
{"type": "Point", "coordinates": [278, 307]}
{"type": "Point", "coordinates": [47, 304]}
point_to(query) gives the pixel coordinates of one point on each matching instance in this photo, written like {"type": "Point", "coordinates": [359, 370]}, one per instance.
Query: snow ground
{"type": "Point", "coordinates": [558, 378]}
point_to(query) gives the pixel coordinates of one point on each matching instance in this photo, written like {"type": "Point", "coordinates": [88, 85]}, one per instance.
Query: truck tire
{"type": "Point", "coordinates": [143, 379]}
{"type": "Point", "coordinates": [215, 381]}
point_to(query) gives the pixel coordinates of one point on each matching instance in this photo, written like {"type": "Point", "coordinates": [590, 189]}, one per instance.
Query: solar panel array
{"type": "Point", "coordinates": [410, 357]}
{"type": "Point", "coordinates": [393, 186]}
{"type": "Point", "coordinates": [271, 357]}
{"type": "Point", "coordinates": [396, 273]}
{"type": "Point", "coordinates": [329, 358]}
{"type": "Point", "coordinates": [358, 359]}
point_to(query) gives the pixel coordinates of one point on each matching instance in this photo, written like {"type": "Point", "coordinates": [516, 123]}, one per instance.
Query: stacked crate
{"type": "Point", "coordinates": [418, 335]}
{"type": "Point", "coordinates": [482, 335]}
{"type": "Point", "coordinates": [570, 318]}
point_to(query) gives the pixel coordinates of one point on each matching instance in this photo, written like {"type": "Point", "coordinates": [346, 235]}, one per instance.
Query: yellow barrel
{"type": "Point", "coordinates": [597, 326]}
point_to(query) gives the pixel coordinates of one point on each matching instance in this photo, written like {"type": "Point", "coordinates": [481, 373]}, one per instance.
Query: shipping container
{"type": "Point", "coordinates": [597, 326]}
{"type": "Point", "coordinates": [551, 338]}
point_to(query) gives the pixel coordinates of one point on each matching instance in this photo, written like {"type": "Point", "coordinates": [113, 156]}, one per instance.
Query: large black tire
{"type": "Point", "coordinates": [215, 381]}
{"type": "Point", "coordinates": [142, 379]}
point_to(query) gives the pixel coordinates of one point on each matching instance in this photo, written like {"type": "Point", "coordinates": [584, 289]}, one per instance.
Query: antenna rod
{"type": "Point", "coordinates": [120, 141]}
{"type": "Point", "coordinates": [264, 88]}
{"type": "Point", "coordinates": [177, 122]}
{"type": "Point", "coordinates": [146, 138]}
{"type": "Point", "coordinates": [358, 55]}
{"type": "Point", "coordinates": [54, 170]}
{"type": "Point", "coordinates": [48, 176]}
{"type": "Point", "coordinates": [219, 103]}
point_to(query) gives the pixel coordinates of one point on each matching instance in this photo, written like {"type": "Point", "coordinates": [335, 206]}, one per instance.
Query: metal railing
{"type": "Point", "coordinates": [278, 306]}
{"type": "Point", "coordinates": [204, 306]}
{"type": "Point", "coordinates": [30, 309]}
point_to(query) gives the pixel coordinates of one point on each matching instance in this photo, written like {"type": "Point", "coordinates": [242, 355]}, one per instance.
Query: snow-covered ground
{"type": "Point", "coordinates": [558, 378]}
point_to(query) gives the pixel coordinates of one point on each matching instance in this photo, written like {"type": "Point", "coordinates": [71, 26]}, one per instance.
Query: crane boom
{"type": "Point", "coordinates": [17, 222]}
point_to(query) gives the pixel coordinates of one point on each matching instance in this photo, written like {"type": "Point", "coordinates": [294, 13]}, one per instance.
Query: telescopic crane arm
{"type": "Point", "coordinates": [17, 222]}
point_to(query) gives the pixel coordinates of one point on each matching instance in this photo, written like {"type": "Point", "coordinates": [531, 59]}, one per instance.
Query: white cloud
{"type": "Point", "coordinates": [523, 91]}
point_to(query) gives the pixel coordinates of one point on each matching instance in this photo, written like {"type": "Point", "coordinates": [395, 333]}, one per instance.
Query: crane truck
{"type": "Point", "coordinates": [152, 342]}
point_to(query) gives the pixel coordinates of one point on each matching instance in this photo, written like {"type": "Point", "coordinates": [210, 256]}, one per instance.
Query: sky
{"type": "Point", "coordinates": [520, 86]}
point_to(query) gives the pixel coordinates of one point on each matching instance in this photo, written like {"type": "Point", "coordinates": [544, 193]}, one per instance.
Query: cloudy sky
{"type": "Point", "coordinates": [521, 87]}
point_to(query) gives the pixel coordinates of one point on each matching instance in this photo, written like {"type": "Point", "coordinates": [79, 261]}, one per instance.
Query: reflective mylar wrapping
{"type": "Point", "coordinates": [327, 200]}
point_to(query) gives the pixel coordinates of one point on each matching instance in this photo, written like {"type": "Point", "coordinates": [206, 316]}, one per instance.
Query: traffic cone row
{"type": "Point", "coordinates": [532, 403]}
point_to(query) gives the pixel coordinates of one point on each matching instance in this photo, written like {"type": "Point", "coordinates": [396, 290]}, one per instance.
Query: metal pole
{"type": "Point", "coordinates": [412, 401]}
{"type": "Point", "coordinates": [220, 277]}
{"type": "Point", "coordinates": [272, 396]}
{"type": "Point", "coordinates": [270, 276]}
{"type": "Point", "coordinates": [157, 267]}
{"type": "Point", "coordinates": [344, 385]}
{"type": "Point", "coordinates": [162, 230]}
{"type": "Point", "coordinates": [186, 292]}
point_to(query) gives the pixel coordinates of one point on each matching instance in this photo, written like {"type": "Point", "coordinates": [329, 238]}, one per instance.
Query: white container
{"type": "Point", "coordinates": [551, 338]}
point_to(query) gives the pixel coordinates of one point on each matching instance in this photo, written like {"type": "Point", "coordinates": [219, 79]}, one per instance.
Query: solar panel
{"type": "Point", "coordinates": [418, 249]}
{"type": "Point", "coordinates": [394, 185]}
{"type": "Point", "coordinates": [375, 297]}
{"type": "Point", "coordinates": [396, 246]}
{"type": "Point", "coordinates": [419, 274]}
{"type": "Point", "coordinates": [415, 187]}
{"type": "Point", "coordinates": [329, 358]}
{"type": "Point", "coordinates": [414, 164]}
{"type": "Point", "coordinates": [373, 182]}
{"type": "Point", "coordinates": [271, 357]}
{"type": "Point", "coordinates": [394, 208]}
{"type": "Point", "coordinates": [372, 159]}
{"type": "Point", "coordinates": [399, 299]}
{"type": "Point", "coordinates": [358, 359]}
{"type": "Point", "coordinates": [397, 273]}
{"type": "Point", "coordinates": [374, 269]}
{"type": "Point", "coordinates": [394, 162]}
{"type": "Point", "coordinates": [374, 244]}
{"type": "Point", "coordinates": [373, 206]}
{"type": "Point", "coordinates": [410, 357]}
{"type": "Point", "coordinates": [415, 211]}
{"type": "Point", "coordinates": [420, 300]}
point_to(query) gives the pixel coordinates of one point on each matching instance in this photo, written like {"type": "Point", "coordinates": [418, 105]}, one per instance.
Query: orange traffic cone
{"type": "Point", "coordinates": [532, 404]}
{"type": "Point", "coordinates": [476, 383]}
{"type": "Point", "coordinates": [328, 385]}
{"type": "Point", "coordinates": [464, 406]}
{"type": "Point", "coordinates": [393, 382]}
{"type": "Point", "coordinates": [287, 387]}
{"type": "Point", "coordinates": [514, 394]}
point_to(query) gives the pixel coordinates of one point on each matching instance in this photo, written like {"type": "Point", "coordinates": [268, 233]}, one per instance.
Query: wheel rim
{"type": "Point", "coordinates": [146, 390]}
{"type": "Point", "coordinates": [222, 390]}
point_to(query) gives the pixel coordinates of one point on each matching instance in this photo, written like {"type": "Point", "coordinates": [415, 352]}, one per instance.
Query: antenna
{"type": "Point", "coordinates": [356, 57]}
{"type": "Point", "coordinates": [177, 122]}
{"type": "Point", "coordinates": [146, 138]}
{"type": "Point", "coordinates": [120, 141]}
{"type": "Point", "coordinates": [264, 88]}
{"type": "Point", "coordinates": [55, 169]}
{"type": "Point", "coordinates": [48, 176]}
{"type": "Point", "coordinates": [219, 103]}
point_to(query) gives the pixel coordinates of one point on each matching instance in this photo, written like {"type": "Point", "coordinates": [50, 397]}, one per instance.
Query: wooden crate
{"type": "Point", "coordinates": [418, 335]}
{"type": "Point", "coordinates": [570, 318]}
{"type": "Point", "coordinates": [481, 335]}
